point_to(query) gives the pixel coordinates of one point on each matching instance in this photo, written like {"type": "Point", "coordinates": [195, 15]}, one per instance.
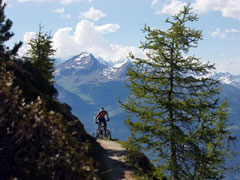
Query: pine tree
{"type": "Point", "coordinates": [40, 54]}
{"type": "Point", "coordinates": [5, 25]}
{"type": "Point", "coordinates": [174, 110]}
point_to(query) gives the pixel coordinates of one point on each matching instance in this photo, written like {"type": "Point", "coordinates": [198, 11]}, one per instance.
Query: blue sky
{"type": "Point", "coordinates": [112, 28]}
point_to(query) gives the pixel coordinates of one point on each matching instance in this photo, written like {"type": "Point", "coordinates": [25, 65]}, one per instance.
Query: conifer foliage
{"type": "Point", "coordinates": [174, 111]}
{"type": "Point", "coordinates": [5, 35]}
{"type": "Point", "coordinates": [39, 137]}
{"type": "Point", "coordinates": [40, 54]}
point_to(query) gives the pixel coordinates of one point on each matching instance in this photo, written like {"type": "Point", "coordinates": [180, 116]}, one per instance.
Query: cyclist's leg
{"type": "Point", "coordinates": [99, 126]}
{"type": "Point", "coordinates": [105, 126]}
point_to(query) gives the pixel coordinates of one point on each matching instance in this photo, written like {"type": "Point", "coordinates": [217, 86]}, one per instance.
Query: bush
{"type": "Point", "coordinates": [140, 161]}
{"type": "Point", "coordinates": [144, 168]}
{"type": "Point", "coordinates": [36, 143]}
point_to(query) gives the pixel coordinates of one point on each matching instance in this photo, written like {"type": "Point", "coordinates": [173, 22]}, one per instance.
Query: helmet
{"type": "Point", "coordinates": [102, 108]}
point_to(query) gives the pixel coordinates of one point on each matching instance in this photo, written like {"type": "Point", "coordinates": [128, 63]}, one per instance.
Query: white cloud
{"type": "Point", "coordinates": [154, 3]}
{"type": "Point", "coordinates": [173, 8]}
{"type": "Point", "coordinates": [107, 28]}
{"type": "Point", "coordinates": [229, 65]}
{"type": "Point", "coordinates": [66, 16]}
{"type": "Point", "coordinates": [26, 37]}
{"type": "Point", "coordinates": [216, 32]}
{"type": "Point", "coordinates": [232, 30]}
{"type": "Point", "coordinates": [60, 10]}
{"type": "Point", "coordinates": [22, 51]}
{"type": "Point", "coordinates": [93, 14]}
{"type": "Point", "coordinates": [89, 38]}
{"type": "Point", "coordinates": [224, 33]}
{"type": "Point", "coordinates": [61, 1]}
{"type": "Point", "coordinates": [219, 33]}
{"type": "Point", "coordinates": [228, 8]}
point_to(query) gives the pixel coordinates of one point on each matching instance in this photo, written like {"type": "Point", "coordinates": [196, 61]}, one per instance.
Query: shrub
{"type": "Point", "coordinates": [36, 143]}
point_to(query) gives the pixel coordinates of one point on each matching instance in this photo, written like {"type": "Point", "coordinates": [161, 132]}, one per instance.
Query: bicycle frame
{"type": "Point", "coordinates": [100, 131]}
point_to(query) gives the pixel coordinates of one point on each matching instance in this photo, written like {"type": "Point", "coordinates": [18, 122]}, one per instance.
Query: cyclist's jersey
{"type": "Point", "coordinates": [102, 114]}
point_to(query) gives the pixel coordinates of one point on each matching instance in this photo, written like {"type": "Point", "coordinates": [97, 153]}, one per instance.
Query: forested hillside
{"type": "Point", "coordinates": [39, 137]}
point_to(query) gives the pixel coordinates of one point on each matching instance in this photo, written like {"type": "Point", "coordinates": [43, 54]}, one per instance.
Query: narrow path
{"type": "Point", "coordinates": [114, 160]}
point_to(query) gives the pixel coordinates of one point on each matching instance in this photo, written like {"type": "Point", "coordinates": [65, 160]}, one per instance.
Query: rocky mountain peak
{"type": "Point", "coordinates": [227, 78]}
{"type": "Point", "coordinates": [84, 58]}
{"type": "Point", "coordinates": [85, 68]}
{"type": "Point", "coordinates": [82, 61]}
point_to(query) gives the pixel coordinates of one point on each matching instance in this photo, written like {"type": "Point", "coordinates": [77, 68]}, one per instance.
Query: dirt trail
{"type": "Point", "coordinates": [114, 160]}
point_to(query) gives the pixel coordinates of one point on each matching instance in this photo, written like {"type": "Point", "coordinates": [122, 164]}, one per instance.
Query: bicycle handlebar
{"type": "Point", "coordinates": [97, 121]}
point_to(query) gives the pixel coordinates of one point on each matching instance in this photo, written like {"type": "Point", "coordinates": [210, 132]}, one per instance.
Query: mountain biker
{"type": "Point", "coordinates": [101, 119]}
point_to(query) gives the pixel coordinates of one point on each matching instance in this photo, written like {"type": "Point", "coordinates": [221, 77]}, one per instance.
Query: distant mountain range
{"type": "Point", "coordinates": [87, 84]}
{"type": "Point", "coordinates": [227, 78]}
{"type": "Point", "coordinates": [85, 68]}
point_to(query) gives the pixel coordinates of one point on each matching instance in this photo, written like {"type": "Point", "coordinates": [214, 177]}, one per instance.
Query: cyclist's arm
{"type": "Point", "coordinates": [97, 115]}
{"type": "Point", "coordinates": [107, 115]}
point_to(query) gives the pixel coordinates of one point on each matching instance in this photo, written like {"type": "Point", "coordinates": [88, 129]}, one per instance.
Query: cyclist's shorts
{"type": "Point", "coordinates": [102, 120]}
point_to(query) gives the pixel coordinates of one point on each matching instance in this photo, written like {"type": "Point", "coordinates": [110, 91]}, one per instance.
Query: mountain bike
{"type": "Point", "coordinates": [100, 132]}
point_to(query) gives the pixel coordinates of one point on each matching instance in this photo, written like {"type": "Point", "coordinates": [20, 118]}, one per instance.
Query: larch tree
{"type": "Point", "coordinates": [41, 54]}
{"type": "Point", "coordinates": [174, 108]}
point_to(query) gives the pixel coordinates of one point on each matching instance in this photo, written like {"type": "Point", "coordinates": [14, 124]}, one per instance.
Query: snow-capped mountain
{"type": "Point", "coordinates": [98, 84]}
{"type": "Point", "coordinates": [226, 78]}
{"type": "Point", "coordinates": [85, 67]}
{"type": "Point", "coordinates": [84, 63]}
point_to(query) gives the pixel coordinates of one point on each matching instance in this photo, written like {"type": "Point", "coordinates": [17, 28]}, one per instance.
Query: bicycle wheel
{"type": "Point", "coordinates": [101, 134]}
{"type": "Point", "coordinates": [97, 135]}
{"type": "Point", "coordinates": [108, 134]}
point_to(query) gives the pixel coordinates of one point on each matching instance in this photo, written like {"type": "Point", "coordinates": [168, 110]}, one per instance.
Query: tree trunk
{"type": "Point", "coordinates": [173, 135]}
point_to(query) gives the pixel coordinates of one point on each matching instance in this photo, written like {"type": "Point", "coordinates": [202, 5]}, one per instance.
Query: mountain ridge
{"type": "Point", "coordinates": [102, 86]}
{"type": "Point", "coordinates": [107, 71]}
{"type": "Point", "coordinates": [226, 78]}
{"type": "Point", "coordinates": [84, 68]}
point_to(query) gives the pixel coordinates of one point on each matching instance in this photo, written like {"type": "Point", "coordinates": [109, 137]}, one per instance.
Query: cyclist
{"type": "Point", "coordinates": [101, 119]}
